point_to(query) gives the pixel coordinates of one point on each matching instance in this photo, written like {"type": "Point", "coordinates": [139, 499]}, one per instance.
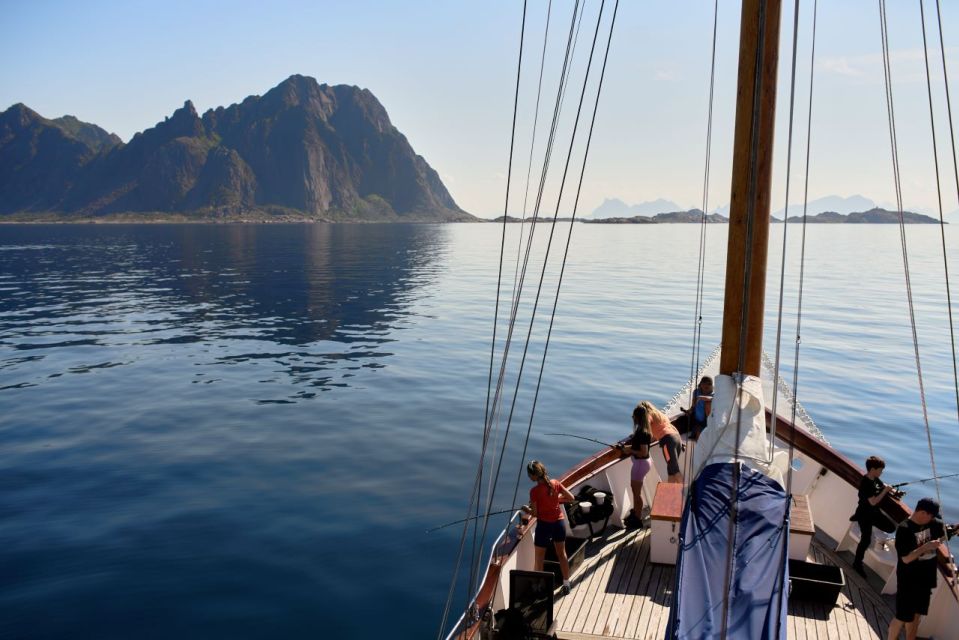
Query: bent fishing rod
{"type": "Point", "coordinates": [483, 515]}
{"type": "Point", "coordinates": [903, 484]}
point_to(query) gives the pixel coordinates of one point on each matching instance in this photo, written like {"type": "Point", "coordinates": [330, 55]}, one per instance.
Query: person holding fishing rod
{"type": "Point", "coordinates": [668, 438]}
{"type": "Point", "coordinates": [871, 492]}
{"type": "Point", "coordinates": [544, 504]}
{"type": "Point", "coordinates": [638, 448]}
{"type": "Point", "coordinates": [917, 542]}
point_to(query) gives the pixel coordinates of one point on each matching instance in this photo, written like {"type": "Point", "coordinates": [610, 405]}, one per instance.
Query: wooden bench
{"type": "Point", "coordinates": [801, 528]}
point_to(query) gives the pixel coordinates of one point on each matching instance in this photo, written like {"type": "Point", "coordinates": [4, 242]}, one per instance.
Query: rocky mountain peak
{"type": "Point", "coordinates": [19, 115]}
{"type": "Point", "coordinates": [302, 148]}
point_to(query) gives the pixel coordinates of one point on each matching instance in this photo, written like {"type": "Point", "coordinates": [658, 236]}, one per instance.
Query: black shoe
{"type": "Point", "coordinates": [564, 589]}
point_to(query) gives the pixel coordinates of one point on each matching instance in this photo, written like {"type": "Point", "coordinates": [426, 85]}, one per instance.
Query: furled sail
{"type": "Point", "coordinates": [731, 574]}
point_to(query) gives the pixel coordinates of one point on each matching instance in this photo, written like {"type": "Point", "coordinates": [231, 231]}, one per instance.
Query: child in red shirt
{"type": "Point", "coordinates": [544, 503]}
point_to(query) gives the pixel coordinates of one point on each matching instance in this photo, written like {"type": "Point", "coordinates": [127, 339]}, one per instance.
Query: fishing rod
{"type": "Point", "coordinates": [611, 446]}
{"type": "Point", "coordinates": [570, 435]}
{"type": "Point", "coordinates": [903, 484]}
{"type": "Point", "coordinates": [493, 513]}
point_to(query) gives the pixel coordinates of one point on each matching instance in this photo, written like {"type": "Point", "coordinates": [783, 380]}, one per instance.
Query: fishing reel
{"type": "Point", "coordinates": [896, 493]}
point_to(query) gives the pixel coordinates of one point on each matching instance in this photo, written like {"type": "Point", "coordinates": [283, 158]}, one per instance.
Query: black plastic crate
{"type": "Point", "coordinates": [575, 551]}
{"type": "Point", "coordinates": [815, 582]}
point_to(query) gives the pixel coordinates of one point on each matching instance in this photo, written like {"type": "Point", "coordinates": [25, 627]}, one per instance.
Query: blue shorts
{"type": "Point", "coordinates": [547, 532]}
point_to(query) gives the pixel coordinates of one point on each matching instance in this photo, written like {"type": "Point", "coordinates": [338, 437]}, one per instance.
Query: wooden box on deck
{"type": "Point", "coordinates": [664, 515]}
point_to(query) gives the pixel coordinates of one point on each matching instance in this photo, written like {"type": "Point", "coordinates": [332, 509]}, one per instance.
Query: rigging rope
{"type": "Point", "coordinates": [942, 224]}
{"type": "Point", "coordinates": [782, 268]}
{"type": "Point", "coordinates": [569, 235]}
{"type": "Point", "coordinates": [516, 302]}
{"type": "Point", "coordinates": [935, 155]}
{"type": "Point", "coordinates": [887, 76]}
{"type": "Point", "coordinates": [474, 497]}
{"type": "Point", "coordinates": [549, 243]}
{"type": "Point", "coordinates": [532, 145]}
{"type": "Point", "coordinates": [782, 283]}
{"type": "Point", "coordinates": [802, 256]}
{"type": "Point", "coordinates": [694, 359]}
{"type": "Point", "coordinates": [495, 415]}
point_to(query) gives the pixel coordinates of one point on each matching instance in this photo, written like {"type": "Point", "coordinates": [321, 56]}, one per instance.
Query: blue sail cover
{"type": "Point", "coordinates": [756, 605]}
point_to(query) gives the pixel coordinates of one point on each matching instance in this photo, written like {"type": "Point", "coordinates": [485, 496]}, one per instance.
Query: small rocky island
{"type": "Point", "coordinates": [302, 151]}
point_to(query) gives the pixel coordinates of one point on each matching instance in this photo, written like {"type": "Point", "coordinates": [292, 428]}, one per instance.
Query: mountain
{"type": "Point", "coordinates": [873, 216]}
{"type": "Point", "coordinates": [614, 207]}
{"type": "Point", "coordinates": [39, 159]}
{"type": "Point", "coordinates": [302, 150]}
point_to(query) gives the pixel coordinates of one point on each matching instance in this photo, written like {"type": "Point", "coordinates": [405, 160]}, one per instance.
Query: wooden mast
{"type": "Point", "coordinates": [752, 176]}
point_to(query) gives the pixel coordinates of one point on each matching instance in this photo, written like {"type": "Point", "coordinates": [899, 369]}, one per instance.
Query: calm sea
{"type": "Point", "coordinates": [244, 431]}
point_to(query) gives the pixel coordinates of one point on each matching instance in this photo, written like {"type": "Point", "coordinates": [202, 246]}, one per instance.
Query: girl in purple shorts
{"type": "Point", "coordinates": [638, 448]}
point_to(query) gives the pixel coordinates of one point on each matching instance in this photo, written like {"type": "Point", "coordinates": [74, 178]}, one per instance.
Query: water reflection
{"type": "Point", "coordinates": [314, 303]}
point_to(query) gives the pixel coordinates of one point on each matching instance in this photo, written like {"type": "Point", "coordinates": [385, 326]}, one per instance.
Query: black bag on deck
{"type": "Point", "coordinates": [600, 510]}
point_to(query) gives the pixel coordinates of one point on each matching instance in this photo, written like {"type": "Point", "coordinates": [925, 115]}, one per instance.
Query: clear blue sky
{"type": "Point", "coordinates": [445, 72]}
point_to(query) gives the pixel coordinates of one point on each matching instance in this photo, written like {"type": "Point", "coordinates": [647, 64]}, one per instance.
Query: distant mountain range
{"type": "Point", "coordinates": [830, 209]}
{"type": "Point", "coordinates": [614, 207]}
{"type": "Point", "coordinates": [303, 150]}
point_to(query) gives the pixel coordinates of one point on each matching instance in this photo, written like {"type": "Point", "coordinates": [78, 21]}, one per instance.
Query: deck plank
{"type": "Point", "coordinates": [625, 600]}
{"type": "Point", "coordinates": [591, 620]}
{"type": "Point", "coordinates": [649, 606]}
{"type": "Point", "coordinates": [596, 618]}
{"type": "Point", "coordinates": [631, 566]}
{"type": "Point", "coordinates": [639, 601]}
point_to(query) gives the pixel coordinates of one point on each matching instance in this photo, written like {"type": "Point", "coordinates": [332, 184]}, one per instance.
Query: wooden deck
{"type": "Point", "coordinates": [618, 593]}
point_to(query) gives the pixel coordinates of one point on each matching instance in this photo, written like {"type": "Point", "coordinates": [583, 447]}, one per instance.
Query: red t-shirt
{"type": "Point", "coordinates": [547, 506]}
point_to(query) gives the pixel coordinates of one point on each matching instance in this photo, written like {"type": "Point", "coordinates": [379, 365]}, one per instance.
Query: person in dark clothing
{"type": "Point", "coordinates": [702, 406]}
{"type": "Point", "coordinates": [917, 541]}
{"type": "Point", "coordinates": [871, 492]}
{"type": "Point", "coordinates": [693, 420]}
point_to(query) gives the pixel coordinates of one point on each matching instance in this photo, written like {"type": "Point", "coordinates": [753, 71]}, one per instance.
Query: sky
{"type": "Point", "coordinates": [446, 73]}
